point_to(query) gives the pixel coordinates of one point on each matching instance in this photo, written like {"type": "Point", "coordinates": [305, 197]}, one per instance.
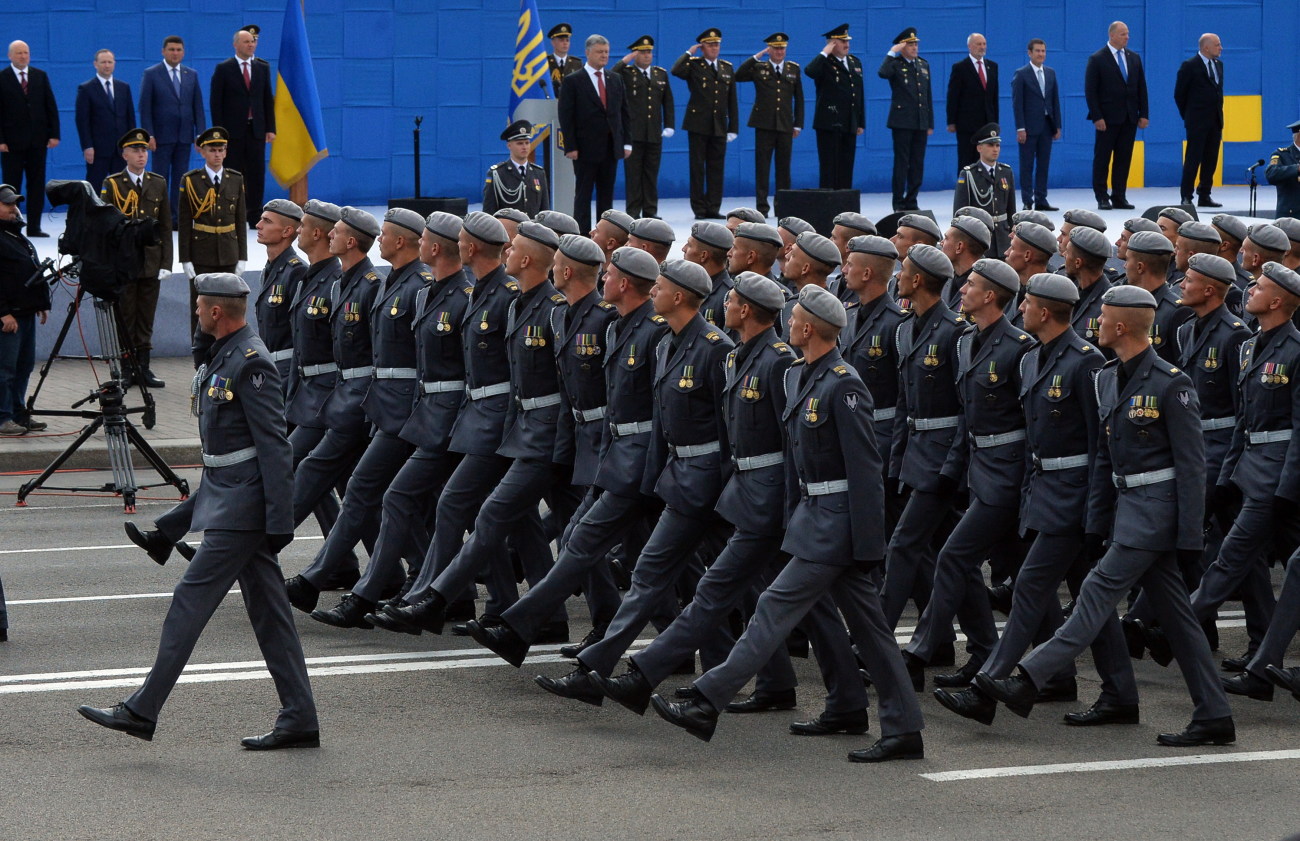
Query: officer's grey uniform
{"type": "Point", "coordinates": [1086, 320]}
{"type": "Point", "coordinates": [1170, 315]}
{"type": "Point", "coordinates": [714, 307]}
{"type": "Point", "coordinates": [314, 373]}
{"type": "Point", "coordinates": [280, 280]}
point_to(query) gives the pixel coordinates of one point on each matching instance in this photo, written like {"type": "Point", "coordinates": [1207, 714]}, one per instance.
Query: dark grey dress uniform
{"type": "Point", "coordinates": [911, 117]}
{"type": "Point", "coordinates": [506, 186]}
{"type": "Point", "coordinates": [315, 373]}
{"type": "Point", "coordinates": [838, 114]}
{"type": "Point", "coordinates": [280, 280]}
{"type": "Point", "coordinates": [993, 422]}
{"type": "Point", "coordinates": [835, 536]}
{"type": "Point", "coordinates": [582, 334]}
{"type": "Point", "coordinates": [650, 111]}
{"type": "Point", "coordinates": [992, 190]}
{"type": "Point", "coordinates": [927, 455]}
{"type": "Point", "coordinates": [1148, 496]}
{"type": "Point", "coordinates": [714, 307]}
{"type": "Point", "coordinates": [712, 112]}
{"type": "Point", "coordinates": [243, 497]}
{"type": "Point", "coordinates": [1170, 315]}
{"type": "Point", "coordinates": [1283, 172]}
{"type": "Point", "coordinates": [1086, 320]}
{"type": "Point", "coordinates": [777, 112]}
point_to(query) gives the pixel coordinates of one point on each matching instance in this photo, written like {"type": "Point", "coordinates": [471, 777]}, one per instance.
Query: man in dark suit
{"type": "Point", "coordinates": [1198, 92]}
{"type": "Point", "coordinates": [839, 117]}
{"type": "Point", "coordinates": [171, 110]}
{"type": "Point", "coordinates": [1115, 87]}
{"type": "Point", "coordinates": [712, 119]}
{"type": "Point", "coordinates": [972, 98]}
{"type": "Point", "coordinates": [911, 115]}
{"type": "Point", "coordinates": [1036, 107]}
{"type": "Point", "coordinates": [594, 122]}
{"type": "Point", "coordinates": [651, 118]}
{"type": "Point", "coordinates": [777, 115]}
{"type": "Point", "coordinates": [241, 100]}
{"type": "Point", "coordinates": [105, 112]}
{"type": "Point", "coordinates": [29, 125]}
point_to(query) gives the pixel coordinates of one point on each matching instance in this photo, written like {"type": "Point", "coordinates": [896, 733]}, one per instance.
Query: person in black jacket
{"type": "Point", "coordinates": [594, 124]}
{"type": "Point", "coordinates": [1115, 87]}
{"type": "Point", "coordinates": [911, 115]}
{"type": "Point", "coordinates": [20, 306]}
{"type": "Point", "coordinates": [972, 98]}
{"type": "Point", "coordinates": [29, 124]}
{"type": "Point", "coordinates": [1198, 92]}
{"type": "Point", "coordinates": [241, 101]}
{"type": "Point", "coordinates": [839, 117]}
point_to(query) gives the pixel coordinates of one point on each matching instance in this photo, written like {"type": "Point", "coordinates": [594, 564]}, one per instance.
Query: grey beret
{"type": "Point", "coordinates": [760, 290]}
{"type": "Point", "coordinates": [360, 221]}
{"type": "Point", "coordinates": [976, 212]}
{"type": "Point", "coordinates": [1269, 236]}
{"type": "Point", "coordinates": [930, 260]}
{"type": "Point", "coordinates": [1032, 233]}
{"type": "Point", "coordinates": [561, 223]}
{"type": "Point", "coordinates": [759, 232]}
{"type": "Point", "coordinates": [921, 223]}
{"type": "Point", "coordinates": [1038, 217]}
{"type": "Point", "coordinates": [486, 228]}
{"type": "Point", "coordinates": [1289, 225]}
{"type": "Point", "coordinates": [1282, 276]}
{"type": "Point", "coordinates": [538, 232]}
{"type": "Point", "coordinates": [220, 285]}
{"type": "Point", "coordinates": [819, 248]}
{"type": "Point", "coordinates": [972, 227]}
{"type": "Point", "coordinates": [1128, 296]}
{"type": "Point", "coordinates": [444, 224]}
{"type": "Point", "coordinates": [712, 234]}
{"type": "Point", "coordinates": [618, 219]}
{"type": "Point", "coordinates": [998, 273]}
{"type": "Point", "coordinates": [319, 209]}
{"type": "Point", "coordinates": [1092, 241]}
{"type": "Point", "coordinates": [1199, 231]}
{"type": "Point", "coordinates": [1141, 223]}
{"type": "Point", "coordinates": [688, 275]}
{"type": "Point", "coordinates": [1232, 226]}
{"type": "Point", "coordinates": [1175, 213]}
{"type": "Point", "coordinates": [1083, 218]}
{"type": "Point", "coordinates": [794, 225]}
{"type": "Point", "coordinates": [635, 262]}
{"type": "Point", "coordinates": [822, 304]}
{"type": "Point", "coordinates": [875, 245]}
{"type": "Point", "coordinates": [1053, 287]}
{"type": "Point", "coordinates": [406, 218]}
{"type": "Point", "coordinates": [1214, 267]}
{"type": "Point", "coordinates": [653, 230]}
{"type": "Point", "coordinates": [745, 214]}
{"type": "Point", "coordinates": [856, 221]}
{"type": "Point", "coordinates": [284, 207]}
{"type": "Point", "coordinates": [1150, 242]}
{"type": "Point", "coordinates": [582, 249]}
{"type": "Point", "coordinates": [514, 214]}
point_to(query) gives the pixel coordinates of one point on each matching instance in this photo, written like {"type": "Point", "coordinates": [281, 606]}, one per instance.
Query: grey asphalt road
{"type": "Point", "coordinates": [431, 738]}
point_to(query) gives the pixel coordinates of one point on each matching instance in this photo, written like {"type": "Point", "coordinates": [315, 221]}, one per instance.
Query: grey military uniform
{"type": "Point", "coordinates": [315, 373]}
{"type": "Point", "coordinates": [1170, 315]}
{"type": "Point", "coordinates": [280, 281]}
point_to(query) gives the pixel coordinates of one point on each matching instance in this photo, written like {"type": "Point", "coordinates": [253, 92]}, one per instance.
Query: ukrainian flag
{"type": "Point", "coordinates": [530, 72]}
{"type": "Point", "coordinates": [300, 132]}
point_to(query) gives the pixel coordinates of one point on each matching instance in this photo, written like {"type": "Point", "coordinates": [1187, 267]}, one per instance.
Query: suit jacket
{"type": "Point", "coordinates": [27, 121]}
{"type": "Point", "coordinates": [1033, 111]}
{"type": "Point", "coordinates": [1199, 99]}
{"type": "Point", "coordinates": [149, 201]}
{"type": "Point", "coordinates": [970, 104]}
{"type": "Point", "coordinates": [712, 108]}
{"type": "Point", "coordinates": [1109, 97]}
{"type": "Point", "coordinates": [231, 102]}
{"type": "Point", "coordinates": [167, 117]}
{"type": "Point", "coordinates": [649, 102]}
{"type": "Point", "coordinates": [588, 126]}
{"type": "Point", "coordinates": [102, 122]}
{"type": "Point", "coordinates": [778, 99]}
{"type": "Point", "coordinates": [840, 101]}
{"type": "Point", "coordinates": [212, 225]}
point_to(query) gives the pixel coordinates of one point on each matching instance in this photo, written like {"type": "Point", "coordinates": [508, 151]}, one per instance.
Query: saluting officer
{"type": "Point", "coordinates": [839, 116]}
{"type": "Point", "coordinates": [712, 119]}
{"type": "Point", "coordinates": [777, 115]}
{"type": "Point", "coordinates": [516, 183]}
{"type": "Point", "coordinates": [212, 222]}
{"type": "Point", "coordinates": [911, 115]}
{"type": "Point", "coordinates": [651, 120]}
{"type": "Point", "coordinates": [1284, 173]}
{"type": "Point", "coordinates": [989, 185]}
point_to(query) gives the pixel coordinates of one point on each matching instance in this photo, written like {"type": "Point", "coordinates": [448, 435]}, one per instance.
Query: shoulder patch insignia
{"type": "Point", "coordinates": [782, 347]}
{"type": "Point", "coordinates": [469, 290]}
{"type": "Point", "coordinates": [605, 305]}
{"type": "Point", "coordinates": [250, 353]}
{"type": "Point", "coordinates": [557, 298]}
{"type": "Point", "coordinates": [427, 275]}
{"type": "Point", "coordinates": [799, 361]}
{"type": "Point", "coordinates": [713, 336]}
{"type": "Point", "coordinates": [841, 370]}
{"type": "Point", "coordinates": [1173, 370]}
{"type": "Point", "coordinates": [512, 286]}
{"type": "Point", "coordinates": [658, 319]}
{"type": "Point", "coordinates": [371, 276]}
{"type": "Point", "coordinates": [294, 261]}
{"type": "Point", "coordinates": [1086, 348]}
{"type": "Point", "coordinates": [1022, 337]}
{"type": "Point", "coordinates": [1236, 324]}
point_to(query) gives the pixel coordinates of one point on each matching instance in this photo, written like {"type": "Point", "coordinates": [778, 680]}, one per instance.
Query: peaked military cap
{"type": "Point", "coordinates": [688, 275]}
{"type": "Point", "coordinates": [288, 209]}
{"type": "Point", "coordinates": [839, 33]}
{"type": "Point", "coordinates": [560, 29]}
{"type": "Point", "coordinates": [635, 262]}
{"type": "Point", "coordinates": [760, 291]}
{"type": "Point", "coordinates": [1128, 296]}
{"type": "Point", "coordinates": [518, 130]}
{"type": "Point", "coordinates": [907, 36]}
{"type": "Point", "coordinates": [855, 221]}
{"type": "Point", "coordinates": [645, 42]}
{"type": "Point", "coordinates": [486, 228]}
{"type": "Point", "coordinates": [134, 137]}
{"type": "Point", "coordinates": [443, 224]}
{"type": "Point", "coordinates": [709, 36]}
{"type": "Point", "coordinates": [1053, 287]}
{"type": "Point", "coordinates": [819, 248]}
{"type": "Point", "coordinates": [777, 39]}
{"type": "Point", "coordinates": [653, 230]}
{"type": "Point", "coordinates": [8, 195]}
{"type": "Point", "coordinates": [319, 209]}
{"type": "Point", "coordinates": [252, 29]}
{"type": "Point", "coordinates": [758, 232]}
{"type": "Point", "coordinates": [989, 133]}
{"type": "Point", "coordinates": [1094, 242]}
{"type": "Point", "coordinates": [876, 246]}
{"type": "Point", "coordinates": [1214, 267]}
{"type": "Point", "coordinates": [220, 285]}
{"type": "Point", "coordinates": [930, 260]}
{"type": "Point", "coordinates": [582, 249]}
{"type": "Point", "coordinates": [1082, 218]}
{"type": "Point", "coordinates": [820, 303]}
{"type": "Point", "coordinates": [360, 221]}
{"type": "Point", "coordinates": [212, 136]}
{"type": "Point", "coordinates": [998, 273]}
{"type": "Point", "coordinates": [1150, 242]}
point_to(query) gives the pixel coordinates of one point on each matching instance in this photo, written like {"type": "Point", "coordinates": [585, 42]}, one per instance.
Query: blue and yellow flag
{"type": "Point", "coordinates": [530, 70]}
{"type": "Point", "coordinates": [300, 132]}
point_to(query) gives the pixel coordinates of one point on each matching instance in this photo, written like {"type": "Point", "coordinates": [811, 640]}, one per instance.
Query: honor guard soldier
{"type": "Point", "coordinates": [777, 115]}
{"type": "Point", "coordinates": [1284, 173]}
{"type": "Point", "coordinates": [212, 222]}
{"type": "Point", "coordinates": [315, 373]}
{"type": "Point", "coordinates": [989, 185]}
{"type": "Point", "coordinates": [560, 62]}
{"type": "Point", "coordinates": [141, 195]}
{"type": "Point", "coordinates": [712, 119]}
{"type": "Point", "coordinates": [911, 115]}
{"type": "Point", "coordinates": [839, 115]}
{"type": "Point", "coordinates": [708, 245]}
{"type": "Point", "coordinates": [1148, 256]}
{"type": "Point", "coordinates": [516, 183]}
{"type": "Point", "coordinates": [651, 120]}
{"type": "Point", "coordinates": [276, 231]}
{"type": "Point", "coordinates": [1148, 497]}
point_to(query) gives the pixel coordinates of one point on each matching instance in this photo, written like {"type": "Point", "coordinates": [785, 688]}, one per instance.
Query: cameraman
{"type": "Point", "coordinates": [20, 304]}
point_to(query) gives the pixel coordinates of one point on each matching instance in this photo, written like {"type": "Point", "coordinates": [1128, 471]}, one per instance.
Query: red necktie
{"type": "Point", "coordinates": [248, 80]}
{"type": "Point", "coordinates": [22, 75]}
{"type": "Point", "coordinates": [600, 88]}
{"type": "Point", "coordinates": [984, 82]}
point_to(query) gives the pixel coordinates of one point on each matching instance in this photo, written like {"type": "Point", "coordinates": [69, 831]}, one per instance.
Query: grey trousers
{"type": "Point", "coordinates": [1114, 576]}
{"type": "Point", "coordinates": [794, 592]}
{"type": "Point", "coordinates": [1286, 621]}
{"type": "Point", "coordinates": [909, 569]}
{"type": "Point", "coordinates": [325, 467]}
{"type": "Point", "coordinates": [303, 439]}
{"type": "Point", "coordinates": [223, 558]}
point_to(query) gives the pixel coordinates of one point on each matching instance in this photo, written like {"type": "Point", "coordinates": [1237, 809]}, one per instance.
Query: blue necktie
{"type": "Point", "coordinates": [176, 81]}
{"type": "Point", "coordinates": [1123, 68]}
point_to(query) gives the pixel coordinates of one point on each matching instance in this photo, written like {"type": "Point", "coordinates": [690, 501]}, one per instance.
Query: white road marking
{"type": "Point", "coordinates": [115, 546]}
{"type": "Point", "coordinates": [1110, 765]}
{"type": "Point", "coordinates": [69, 599]}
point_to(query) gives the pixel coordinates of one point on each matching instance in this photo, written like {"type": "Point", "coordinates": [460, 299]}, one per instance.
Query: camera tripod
{"type": "Point", "coordinates": [119, 433]}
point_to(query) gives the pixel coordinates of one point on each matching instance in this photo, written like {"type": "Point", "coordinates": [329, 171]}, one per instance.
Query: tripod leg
{"type": "Point", "coordinates": [156, 461]}
{"type": "Point", "coordinates": [28, 487]}
{"type": "Point", "coordinates": [54, 351]}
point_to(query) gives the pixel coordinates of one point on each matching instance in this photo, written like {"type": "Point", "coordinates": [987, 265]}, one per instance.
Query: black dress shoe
{"type": "Point", "coordinates": [697, 717]}
{"type": "Point", "coordinates": [761, 702]}
{"type": "Point", "coordinates": [575, 685]}
{"type": "Point", "coordinates": [1208, 202]}
{"type": "Point", "coordinates": [35, 425]}
{"type": "Point", "coordinates": [968, 703]}
{"type": "Point", "coordinates": [37, 234]}
{"type": "Point", "coordinates": [553, 632]}
{"type": "Point", "coordinates": [593, 636]}
{"type": "Point", "coordinates": [1158, 645]}
{"type": "Point", "coordinates": [381, 618]}
{"type": "Point", "coordinates": [4, 635]}
{"type": "Point", "coordinates": [151, 379]}
{"type": "Point", "coordinates": [120, 717]}
{"type": "Point", "coordinates": [1288, 679]}
{"type": "Point", "coordinates": [1236, 664]}
{"type": "Point", "coordinates": [961, 677]}
{"type": "Point", "coordinates": [1017, 692]}
{"type": "Point", "coordinates": [1248, 685]}
{"type": "Point", "coordinates": [631, 689]}
{"type": "Point", "coordinates": [1104, 205]}
{"type": "Point", "coordinates": [905, 746]}
{"type": "Point", "coordinates": [943, 656]}
{"type": "Point", "coordinates": [152, 542]}
{"type": "Point", "coordinates": [460, 629]}
{"type": "Point", "coordinates": [501, 640]}
{"type": "Point", "coordinates": [1121, 204]}
{"type": "Point", "coordinates": [686, 693]}
{"type": "Point", "coordinates": [915, 671]}
{"type": "Point", "coordinates": [1000, 598]}
{"type": "Point", "coordinates": [1045, 206]}
{"type": "Point", "coordinates": [461, 610]}
{"type": "Point", "coordinates": [1102, 713]}
{"type": "Point", "coordinates": [1134, 637]}
{"type": "Point", "coordinates": [1212, 731]}
{"type": "Point", "coordinates": [278, 738]}
{"type": "Point", "coordinates": [854, 724]}
{"type": "Point", "coordinates": [1061, 692]}
{"type": "Point", "coordinates": [349, 613]}
{"type": "Point", "coordinates": [186, 550]}
{"type": "Point", "coordinates": [343, 580]}
{"type": "Point", "coordinates": [425, 616]}
{"type": "Point", "coordinates": [302, 593]}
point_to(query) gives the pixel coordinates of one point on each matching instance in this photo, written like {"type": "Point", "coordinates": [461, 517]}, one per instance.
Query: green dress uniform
{"type": "Point", "coordinates": [992, 189]}
{"type": "Point", "coordinates": [509, 186]}
{"type": "Point", "coordinates": [650, 111]}
{"type": "Point", "coordinates": [212, 224]}
{"type": "Point", "coordinates": [777, 112]}
{"type": "Point", "coordinates": [911, 118]}
{"type": "Point", "coordinates": [139, 300]}
{"type": "Point", "coordinates": [712, 113]}
{"type": "Point", "coordinates": [1284, 173]}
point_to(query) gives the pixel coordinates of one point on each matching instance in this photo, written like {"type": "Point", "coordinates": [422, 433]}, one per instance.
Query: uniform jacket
{"type": "Point", "coordinates": [231, 101]}
{"type": "Point", "coordinates": [582, 333]}
{"type": "Point", "coordinates": [148, 201]}
{"type": "Point", "coordinates": [778, 98]}
{"type": "Point", "coordinates": [101, 121]}
{"type": "Point", "coordinates": [992, 191]}
{"type": "Point", "coordinates": [27, 121]}
{"type": "Point", "coordinates": [1284, 173]}
{"type": "Point", "coordinates": [1109, 97]}
{"type": "Point", "coordinates": [1198, 97]}
{"type": "Point", "coordinates": [389, 401]}
{"type": "Point", "coordinates": [928, 367]}
{"type": "Point", "coordinates": [870, 345]}
{"type": "Point", "coordinates": [212, 224]}
{"type": "Point", "coordinates": [971, 105]}
{"type": "Point", "coordinates": [629, 391]}
{"type": "Point", "coordinates": [505, 187]}
{"type": "Point", "coordinates": [439, 318]}
{"type": "Point", "coordinates": [558, 70]}
{"type": "Point", "coordinates": [280, 280]}
{"type": "Point", "coordinates": [167, 117]}
{"type": "Point", "coordinates": [1170, 315]}
{"type": "Point", "coordinates": [714, 307]}
{"type": "Point", "coordinates": [649, 102]}
{"type": "Point", "coordinates": [712, 108]}
{"type": "Point", "coordinates": [1036, 110]}
{"type": "Point", "coordinates": [1269, 401]}
{"type": "Point", "coordinates": [530, 347]}
{"type": "Point", "coordinates": [596, 131]}
{"type": "Point", "coordinates": [310, 317]}
{"type": "Point", "coordinates": [988, 385]}
{"type": "Point", "coordinates": [353, 297]}
{"type": "Point", "coordinates": [1212, 360]}
{"type": "Point", "coordinates": [480, 423]}
{"type": "Point", "coordinates": [911, 105]}
{"type": "Point", "coordinates": [840, 102]}
{"type": "Point", "coordinates": [1088, 310]}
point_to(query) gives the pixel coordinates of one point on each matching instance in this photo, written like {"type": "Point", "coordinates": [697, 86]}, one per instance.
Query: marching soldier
{"type": "Point", "coordinates": [277, 228]}
{"type": "Point", "coordinates": [911, 115]}
{"type": "Point", "coordinates": [1149, 254]}
{"type": "Point", "coordinates": [516, 183]}
{"type": "Point", "coordinates": [212, 222]}
{"type": "Point", "coordinates": [777, 115]}
{"type": "Point", "coordinates": [708, 245]}
{"type": "Point", "coordinates": [989, 185]}
{"type": "Point", "coordinates": [315, 373]}
{"type": "Point", "coordinates": [1284, 173]}
{"type": "Point", "coordinates": [839, 116]}
{"type": "Point", "coordinates": [1085, 258]}
{"type": "Point", "coordinates": [651, 120]}
{"type": "Point", "coordinates": [712, 119]}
